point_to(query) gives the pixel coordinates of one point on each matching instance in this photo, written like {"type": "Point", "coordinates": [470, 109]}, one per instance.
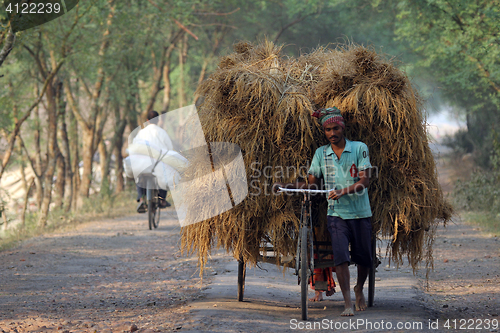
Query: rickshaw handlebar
{"type": "Point", "coordinates": [281, 190]}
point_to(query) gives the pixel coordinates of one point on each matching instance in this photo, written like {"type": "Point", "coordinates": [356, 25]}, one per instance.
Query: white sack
{"type": "Point", "coordinates": [166, 176]}
{"type": "Point", "coordinates": [172, 158]}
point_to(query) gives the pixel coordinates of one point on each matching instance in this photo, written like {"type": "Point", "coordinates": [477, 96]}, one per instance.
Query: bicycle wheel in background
{"type": "Point", "coordinates": [156, 219]}
{"type": "Point", "coordinates": [151, 208]}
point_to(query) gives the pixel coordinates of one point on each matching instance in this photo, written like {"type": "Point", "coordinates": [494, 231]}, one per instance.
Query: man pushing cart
{"type": "Point", "coordinates": [344, 168]}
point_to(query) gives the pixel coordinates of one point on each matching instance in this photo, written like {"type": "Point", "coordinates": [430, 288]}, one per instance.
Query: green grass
{"type": "Point", "coordinates": [488, 222]}
{"type": "Point", "coordinates": [95, 207]}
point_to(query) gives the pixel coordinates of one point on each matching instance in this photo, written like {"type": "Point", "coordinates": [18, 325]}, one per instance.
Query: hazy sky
{"type": "Point", "coordinates": [442, 124]}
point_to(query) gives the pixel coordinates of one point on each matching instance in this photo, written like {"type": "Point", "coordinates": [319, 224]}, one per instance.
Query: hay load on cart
{"type": "Point", "coordinates": [262, 101]}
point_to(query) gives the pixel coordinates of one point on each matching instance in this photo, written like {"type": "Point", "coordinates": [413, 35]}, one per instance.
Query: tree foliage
{"type": "Point", "coordinates": [120, 58]}
{"type": "Point", "coordinates": [459, 43]}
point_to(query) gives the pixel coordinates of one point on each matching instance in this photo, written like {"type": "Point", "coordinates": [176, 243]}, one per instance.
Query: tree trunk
{"type": "Point", "coordinates": [166, 86]}
{"type": "Point", "coordinates": [23, 165]}
{"type": "Point", "coordinates": [74, 170]}
{"type": "Point", "coordinates": [66, 154]}
{"type": "Point", "coordinates": [120, 181]}
{"type": "Point", "coordinates": [104, 164]}
{"type": "Point", "coordinates": [116, 145]}
{"type": "Point", "coordinates": [37, 177]}
{"type": "Point", "coordinates": [38, 158]}
{"type": "Point", "coordinates": [36, 166]}
{"type": "Point", "coordinates": [203, 71]}
{"type": "Point", "coordinates": [54, 90]}
{"type": "Point", "coordinates": [52, 153]}
{"type": "Point", "coordinates": [117, 148]}
{"type": "Point", "coordinates": [7, 46]}
{"type": "Point", "coordinates": [26, 188]}
{"type": "Point", "coordinates": [60, 181]}
{"type": "Point", "coordinates": [63, 183]}
{"type": "Point", "coordinates": [26, 198]}
{"type": "Point", "coordinates": [157, 77]}
{"type": "Point", "coordinates": [87, 157]}
{"type": "Point", "coordinates": [47, 192]}
{"type": "Point", "coordinates": [183, 48]}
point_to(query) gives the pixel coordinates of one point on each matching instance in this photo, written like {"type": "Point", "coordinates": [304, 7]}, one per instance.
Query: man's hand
{"type": "Point", "coordinates": [359, 186]}
{"type": "Point", "coordinates": [277, 185]}
{"type": "Point", "coordinates": [335, 194]}
{"type": "Point", "coordinates": [298, 185]}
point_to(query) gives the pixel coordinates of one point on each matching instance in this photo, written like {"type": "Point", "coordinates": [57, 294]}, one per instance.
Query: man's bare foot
{"type": "Point", "coordinates": [330, 292]}
{"type": "Point", "coordinates": [360, 299]}
{"type": "Point", "coordinates": [318, 296]}
{"type": "Point", "coordinates": [347, 312]}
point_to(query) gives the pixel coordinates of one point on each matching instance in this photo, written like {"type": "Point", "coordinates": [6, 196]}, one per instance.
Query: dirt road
{"type": "Point", "coordinates": [465, 282]}
{"type": "Point", "coordinates": [105, 276]}
{"type": "Point", "coordinates": [117, 276]}
{"type": "Point", "coordinates": [465, 285]}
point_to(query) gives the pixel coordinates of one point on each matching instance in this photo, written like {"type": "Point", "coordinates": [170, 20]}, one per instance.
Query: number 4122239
{"type": "Point", "coordinates": [34, 8]}
{"type": "Point", "coordinates": [471, 324]}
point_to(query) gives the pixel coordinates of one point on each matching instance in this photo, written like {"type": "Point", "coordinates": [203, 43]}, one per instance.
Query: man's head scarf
{"type": "Point", "coordinates": [328, 116]}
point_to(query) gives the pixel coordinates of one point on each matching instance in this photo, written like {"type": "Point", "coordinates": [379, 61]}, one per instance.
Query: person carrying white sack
{"type": "Point", "coordinates": [155, 136]}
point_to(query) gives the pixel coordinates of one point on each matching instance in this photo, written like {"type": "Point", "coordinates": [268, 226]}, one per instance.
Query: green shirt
{"type": "Point", "coordinates": [341, 173]}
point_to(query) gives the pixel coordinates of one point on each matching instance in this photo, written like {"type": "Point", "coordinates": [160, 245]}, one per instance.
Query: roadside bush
{"type": "Point", "coordinates": [459, 142]}
{"type": "Point", "coordinates": [482, 191]}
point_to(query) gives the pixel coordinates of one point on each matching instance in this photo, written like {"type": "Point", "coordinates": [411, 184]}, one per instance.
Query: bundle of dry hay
{"type": "Point", "coordinates": [262, 101]}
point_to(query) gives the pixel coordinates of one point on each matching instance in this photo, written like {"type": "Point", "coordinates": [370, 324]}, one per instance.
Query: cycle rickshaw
{"type": "Point", "coordinates": [305, 260]}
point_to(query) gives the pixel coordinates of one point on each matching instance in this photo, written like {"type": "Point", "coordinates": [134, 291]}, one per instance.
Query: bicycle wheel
{"type": "Point", "coordinates": [156, 215]}
{"type": "Point", "coordinates": [304, 271]}
{"type": "Point", "coordinates": [241, 279]}
{"type": "Point", "coordinates": [371, 276]}
{"type": "Point", "coordinates": [151, 209]}
{"type": "Point", "coordinates": [297, 258]}
{"type": "Point", "coordinates": [156, 220]}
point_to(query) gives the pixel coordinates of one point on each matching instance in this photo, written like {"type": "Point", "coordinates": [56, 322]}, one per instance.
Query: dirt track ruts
{"type": "Point", "coordinates": [104, 276]}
